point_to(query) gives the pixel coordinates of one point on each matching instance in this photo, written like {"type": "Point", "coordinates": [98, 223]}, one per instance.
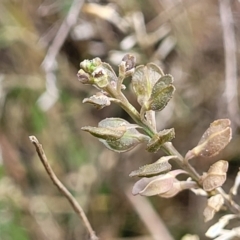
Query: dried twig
{"type": "Point", "coordinates": [229, 43]}
{"type": "Point", "coordinates": [75, 205]}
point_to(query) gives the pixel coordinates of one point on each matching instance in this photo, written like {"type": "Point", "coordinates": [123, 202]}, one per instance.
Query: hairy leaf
{"type": "Point", "coordinates": [99, 101]}
{"type": "Point", "coordinates": [161, 99]}
{"type": "Point", "coordinates": [130, 138]}
{"type": "Point", "coordinates": [160, 166]}
{"type": "Point", "coordinates": [143, 81]}
{"type": "Point", "coordinates": [159, 139]}
{"type": "Point", "coordinates": [161, 93]}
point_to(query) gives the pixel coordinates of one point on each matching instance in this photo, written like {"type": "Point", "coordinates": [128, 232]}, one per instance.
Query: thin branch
{"type": "Point", "coordinates": [229, 42]}
{"type": "Point", "coordinates": [75, 205]}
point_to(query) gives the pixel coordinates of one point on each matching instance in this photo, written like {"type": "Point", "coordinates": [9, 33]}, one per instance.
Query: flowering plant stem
{"type": "Point", "coordinates": [168, 147]}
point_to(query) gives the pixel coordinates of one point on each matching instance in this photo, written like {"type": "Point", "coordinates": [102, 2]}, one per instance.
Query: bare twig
{"type": "Point", "coordinates": [75, 205]}
{"type": "Point", "coordinates": [229, 42]}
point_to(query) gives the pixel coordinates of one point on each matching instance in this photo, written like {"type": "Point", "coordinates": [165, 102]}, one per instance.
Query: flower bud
{"type": "Point", "coordinates": [100, 78]}
{"type": "Point", "coordinates": [84, 77]}
{"type": "Point", "coordinates": [89, 66]}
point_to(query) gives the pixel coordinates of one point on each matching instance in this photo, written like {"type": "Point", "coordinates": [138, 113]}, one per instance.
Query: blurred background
{"type": "Point", "coordinates": [41, 46]}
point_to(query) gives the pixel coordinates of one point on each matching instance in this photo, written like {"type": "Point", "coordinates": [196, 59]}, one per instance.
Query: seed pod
{"type": "Point", "coordinates": [177, 187]}
{"type": "Point", "coordinates": [216, 138]}
{"type": "Point", "coordinates": [214, 204]}
{"type": "Point", "coordinates": [156, 185]}
{"type": "Point", "coordinates": [216, 175]}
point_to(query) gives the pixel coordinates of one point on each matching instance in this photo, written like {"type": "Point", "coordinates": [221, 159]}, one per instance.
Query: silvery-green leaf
{"type": "Point", "coordinates": [130, 138]}
{"type": "Point", "coordinates": [108, 133]}
{"type": "Point", "coordinates": [116, 122]}
{"type": "Point", "coordinates": [99, 100]}
{"type": "Point", "coordinates": [143, 81]}
{"type": "Point", "coordinates": [160, 99]}
{"type": "Point", "coordinates": [159, 139]}
{"type": "Point", "coordinates": [162, 82]}
{"type": "Point", "coordinates": [160, 166]}
{"type": "Point", "coordinates": [128, 141]}
{"type": "Point", "coordinates": [161, 93]}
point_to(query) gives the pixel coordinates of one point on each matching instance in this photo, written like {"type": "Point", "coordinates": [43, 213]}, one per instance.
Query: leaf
{"type": "Point", "coordinates": [143, 81]}
{"type": "Point", "coordinates": [216, 138]}
{"type": "Point", "coordinates": [99, 100]}
{"type": "Point", "coordinates": [109, 133]}
{"type": "Point", "coordinates": [112, 77]}
{"type": "Point", "coordinates": [159, 139]}
{"type": "Point", "coordinates": [160, 166]}
{"type": "Point", "coordinates": [161, 93]}
{"type": "Point", "coordinates": [116, 122]}
{"type": "Point", "coordinates": [130, 138]}
{"type": "Point", "coordinates": [161, 99]}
